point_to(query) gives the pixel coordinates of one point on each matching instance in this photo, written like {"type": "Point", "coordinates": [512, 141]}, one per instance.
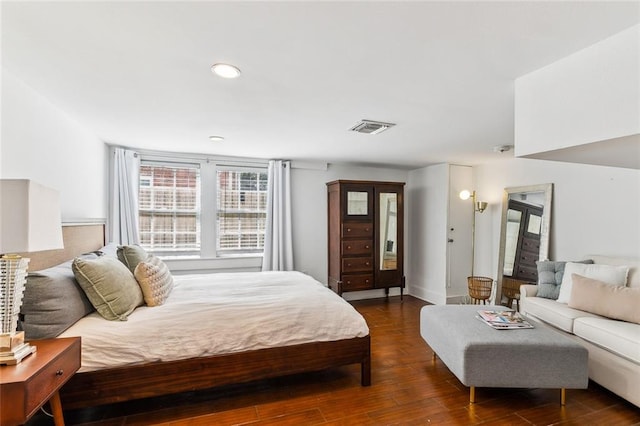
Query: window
{"type": "Point", "coordinates": [169, 210]}
{"type": "Point", "coordinates": [204, 209]}
{"type": "Point", "coordinates": [242, 211]}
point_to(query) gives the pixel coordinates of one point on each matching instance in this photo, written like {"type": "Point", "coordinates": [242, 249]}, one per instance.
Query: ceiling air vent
{"type": "Point", "coordinates": [371, 127]}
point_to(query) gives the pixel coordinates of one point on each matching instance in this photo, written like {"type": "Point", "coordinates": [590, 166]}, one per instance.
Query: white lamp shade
{"type": "Point", "coordinates": [30, 218]}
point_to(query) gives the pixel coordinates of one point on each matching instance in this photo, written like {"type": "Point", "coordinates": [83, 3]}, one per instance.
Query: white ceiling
{"type": "Point", "coordinates": [138, 73]}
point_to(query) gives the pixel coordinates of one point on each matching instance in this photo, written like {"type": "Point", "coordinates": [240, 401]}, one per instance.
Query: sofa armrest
{"type": "Point", "coordinates": [528, 290]}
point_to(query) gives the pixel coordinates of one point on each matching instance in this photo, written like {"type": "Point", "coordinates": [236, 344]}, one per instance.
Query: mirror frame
{"type": "Point", "coordinates": [547, 189]}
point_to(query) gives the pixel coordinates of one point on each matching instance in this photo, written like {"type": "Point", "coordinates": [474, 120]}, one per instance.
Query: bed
{"type": "Point", "coordinates": [174, 364]}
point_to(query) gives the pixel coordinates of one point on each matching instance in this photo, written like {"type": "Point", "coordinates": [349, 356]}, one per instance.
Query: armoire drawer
{"type": "Point", "coordinates": [357, 264]}
{"type": "Point", "coordinates": [354, 247]}
{"type": "Point", "coordinates": [357, 282]}
{"type": "Point", "coordinates": [357, 229]}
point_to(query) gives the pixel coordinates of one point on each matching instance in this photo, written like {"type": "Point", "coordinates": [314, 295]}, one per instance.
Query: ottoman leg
{"type": "Point", "coordinates": [472, 394]}
{"type": "Point", "coordinates": [563, 396]}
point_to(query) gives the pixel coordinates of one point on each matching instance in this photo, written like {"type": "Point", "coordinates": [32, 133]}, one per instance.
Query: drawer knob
{"type": "Point", "coordinates": [348, 247]}
{"type": "Point", "coordinates": [366, 263]}
{"type": "Point", "coordinates": [59, 372]}
{"type": "Point", "coordinates": [366, 281]}
{"type": "Point", "coordinates": [348, 264]}
{"type": "Point", "coordinates": [348, 229]}
{"type": "Point", "coordinates": [367, 246]}
{"type": "Point", "coordinates": [348, 282]}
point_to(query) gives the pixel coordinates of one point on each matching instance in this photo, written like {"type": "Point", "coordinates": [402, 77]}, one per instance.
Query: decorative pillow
{"type": "Point", "coordinates": [600, 298]}
{"type": "Point", "coordinates": [155, 280]}
{"type": "Point", "coordinates": [111, 249]}
{"type": "Point", "coordinates": [131, 256]}
{"type": "Point", "coordinates": [53, 301]}
{"type": "Point", "coordinates": [550, 275]}
{"type": "Point", "coordinates": [612, 275]}
{"type": "Point", "coordinates": [109, 285]}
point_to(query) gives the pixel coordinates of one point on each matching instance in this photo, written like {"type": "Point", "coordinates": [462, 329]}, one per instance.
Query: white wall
{"type": "Point", "coordinates": [439, 233]}
{"type": "Point", "coordinates": [596, 209]}
{"type": "Point", "coordinates": [40, 142]}
{"type": "Point", "coordinates": [309, 216]}
{"type": "Point", "coordinates": [589, 96]}
{"type": "Point", "coordinates": [427, 198]}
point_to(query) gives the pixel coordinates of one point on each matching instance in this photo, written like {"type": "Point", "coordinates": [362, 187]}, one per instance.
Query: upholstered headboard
{"type": "Point", "coordinates": [633, 279]}
{"type": "Point", "coordinates": [78, 239]}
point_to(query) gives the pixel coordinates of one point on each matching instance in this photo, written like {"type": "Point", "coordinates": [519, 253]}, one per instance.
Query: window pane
{"type": "Point", "coordinates": [242, 202]}
{"type": "Point", "coordinates": [169, 207]}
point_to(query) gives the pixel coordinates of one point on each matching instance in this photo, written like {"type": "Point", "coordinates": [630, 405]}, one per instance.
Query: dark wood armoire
{"type": "Point", "coordinates": [366, 241]}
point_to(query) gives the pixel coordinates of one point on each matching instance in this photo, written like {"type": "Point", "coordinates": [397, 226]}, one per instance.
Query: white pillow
{"type": "Point", "coordinates": [612, 275]}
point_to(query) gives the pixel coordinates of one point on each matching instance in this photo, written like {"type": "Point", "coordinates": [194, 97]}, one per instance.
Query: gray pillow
{"type": "Point", "coordinates": [111, 249]}
{"type": "Point", "coordinates": [550, 275]}
{"type": "Point", "coordinates": [53, 301]}
{"type": "Point", "coordinates": [131, 256]}
{"type": "Point", "coordinates": [109, 285]}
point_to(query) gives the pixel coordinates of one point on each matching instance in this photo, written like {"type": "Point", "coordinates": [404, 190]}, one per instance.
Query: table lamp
{"type": "Point", "coordinates": [30, 221]}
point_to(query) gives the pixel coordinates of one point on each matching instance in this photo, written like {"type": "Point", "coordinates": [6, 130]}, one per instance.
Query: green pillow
{"type": "Point", "coordinates": [109, 285]}
{"type": "Point", "coordinates": [131, 256]}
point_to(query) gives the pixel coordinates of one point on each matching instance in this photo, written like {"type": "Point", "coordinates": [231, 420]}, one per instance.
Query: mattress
{"type": "Point", "coordinates": [220, 313]}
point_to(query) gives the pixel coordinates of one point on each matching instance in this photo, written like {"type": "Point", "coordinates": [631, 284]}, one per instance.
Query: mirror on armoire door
{"type": "Point", "coordinates": [524, 237]}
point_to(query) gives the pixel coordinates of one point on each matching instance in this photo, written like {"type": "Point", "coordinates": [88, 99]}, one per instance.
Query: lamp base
{"type": "Point", "coordinates": [18, 354]}
{"type": "Point", "coordinates": [11, 341]}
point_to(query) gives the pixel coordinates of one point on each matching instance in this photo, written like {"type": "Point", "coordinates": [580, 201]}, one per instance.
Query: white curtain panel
{"type": "Point", "coordinates": [278, 242]}
{"type": "Point", "coordinates": [123, 203]}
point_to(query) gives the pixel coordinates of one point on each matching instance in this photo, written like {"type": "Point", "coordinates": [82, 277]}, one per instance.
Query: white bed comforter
{"type": "Point", "coordinates": [211, 314]}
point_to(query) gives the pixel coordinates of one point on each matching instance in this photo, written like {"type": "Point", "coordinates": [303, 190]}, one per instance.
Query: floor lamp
{"type": "Point", "coordinates": [30, 221]}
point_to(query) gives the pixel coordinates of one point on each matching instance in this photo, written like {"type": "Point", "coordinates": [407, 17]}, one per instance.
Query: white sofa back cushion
{"type": "Point", "coordinates": [608, 274]}
{"type": "Point", "coordinates": [633, 280]}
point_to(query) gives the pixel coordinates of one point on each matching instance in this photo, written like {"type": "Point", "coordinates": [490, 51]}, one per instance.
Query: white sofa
{"type": "Point", "coordinates": [614, 346]}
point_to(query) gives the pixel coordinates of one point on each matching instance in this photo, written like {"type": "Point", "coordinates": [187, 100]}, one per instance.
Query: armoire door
{"type": "Point", "coordinates": [389, 240]}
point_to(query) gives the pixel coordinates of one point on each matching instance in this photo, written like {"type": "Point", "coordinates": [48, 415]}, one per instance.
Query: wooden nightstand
{"type": "Point", "coordinates": [25, 387]}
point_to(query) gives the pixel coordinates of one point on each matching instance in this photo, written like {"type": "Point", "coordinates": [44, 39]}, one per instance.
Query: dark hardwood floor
{"type": "Point", "coordinates": [408, 388]}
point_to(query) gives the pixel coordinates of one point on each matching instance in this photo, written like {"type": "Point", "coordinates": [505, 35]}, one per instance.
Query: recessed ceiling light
{"type": "Point", "coordinates": [225, 70]}
{"type": "Point", "coordinates": [216, 138]}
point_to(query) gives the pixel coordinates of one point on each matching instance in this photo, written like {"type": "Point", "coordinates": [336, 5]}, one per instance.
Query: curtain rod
{"type": "Point", "coordinates": [193, 156]}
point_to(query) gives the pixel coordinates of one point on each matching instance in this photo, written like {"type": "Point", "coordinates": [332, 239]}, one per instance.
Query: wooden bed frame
{"type": "Point", "coordinates": [163, 378]}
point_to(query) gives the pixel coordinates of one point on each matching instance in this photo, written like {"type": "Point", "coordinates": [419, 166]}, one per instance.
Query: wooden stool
{"type": "Point", "coordinates": [480, 289]}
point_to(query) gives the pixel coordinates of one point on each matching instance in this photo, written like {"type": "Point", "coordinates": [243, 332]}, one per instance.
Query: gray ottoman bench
{"type": "Point", "coordinates": [481, 356]}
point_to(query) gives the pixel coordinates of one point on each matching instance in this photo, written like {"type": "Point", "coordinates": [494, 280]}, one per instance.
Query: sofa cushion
{"type": "Point", "coordinates": [557, 314]}
{"type": "Point", "coordinates": [619, 337]}
{"type": "Point", "coordinates": [617, 302]}
{"type": "Point", "coordinates": [550, 275]}
{"type": "Point", "coordinates": [609, 274]}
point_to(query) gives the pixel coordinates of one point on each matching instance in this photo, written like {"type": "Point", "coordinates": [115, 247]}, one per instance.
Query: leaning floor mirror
{"type": "Point", "coordinates": [524, 238]}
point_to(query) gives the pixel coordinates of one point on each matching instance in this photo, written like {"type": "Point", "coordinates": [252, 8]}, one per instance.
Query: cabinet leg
{"type": "Point", "coordinates": [56, 409]}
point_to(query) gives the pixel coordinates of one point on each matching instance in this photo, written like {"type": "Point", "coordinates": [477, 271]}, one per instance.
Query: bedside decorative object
{"type": "Point", "coordinates": [29, 221]}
